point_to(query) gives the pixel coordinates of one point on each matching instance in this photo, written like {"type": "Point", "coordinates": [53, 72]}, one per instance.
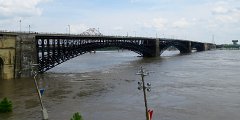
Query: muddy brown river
{"type": "Point", "coordinates": [103, 86]}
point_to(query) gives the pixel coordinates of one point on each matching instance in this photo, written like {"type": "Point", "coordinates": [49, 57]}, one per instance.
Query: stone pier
{"type": "Point", "coordinates": [7, 56]}
{"type": "Point", "coordinates": [17, 52]}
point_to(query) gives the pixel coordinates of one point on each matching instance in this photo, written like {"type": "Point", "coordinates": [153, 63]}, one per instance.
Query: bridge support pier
{"type": "Point", "coordinates": [153, 46]}
{"type": "Point", "coordinates": [157, 49]}
{"type": "Point", "coordinates": [209, 46]}
{"type": "Point", "coordinates": [205, 46]}
{"type": "Point", "coordinates": [187, 48]}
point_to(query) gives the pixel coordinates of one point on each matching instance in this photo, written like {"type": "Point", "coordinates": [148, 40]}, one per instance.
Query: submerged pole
{"type": "Point", "coordinates": [44, 110]}
{"type": "Point", "coordinates": [141, 85]}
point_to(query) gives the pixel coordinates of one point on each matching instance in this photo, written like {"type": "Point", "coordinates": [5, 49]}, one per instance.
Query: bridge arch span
{"type": "Point", "coordinates": [139, 49]}
{"type": "Point", "coordinates": [183, 47]}
{"type": "Point", "coordinates": [52, 52]}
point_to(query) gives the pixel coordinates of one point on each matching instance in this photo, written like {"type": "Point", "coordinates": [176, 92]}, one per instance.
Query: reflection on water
{"type": "Point", "coordinates": [103, 86]}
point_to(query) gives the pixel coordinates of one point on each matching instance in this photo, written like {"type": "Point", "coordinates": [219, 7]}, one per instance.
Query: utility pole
{"type": "Point", "coordinates": [142, 86]}
{"type": "Point", "coordinates": [35, 73]}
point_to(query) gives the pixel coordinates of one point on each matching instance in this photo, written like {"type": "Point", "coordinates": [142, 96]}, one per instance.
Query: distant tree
{"type": "Point", "coordinates": [5, 105]}
{"type": "Point", "coordinates": [76, 116]}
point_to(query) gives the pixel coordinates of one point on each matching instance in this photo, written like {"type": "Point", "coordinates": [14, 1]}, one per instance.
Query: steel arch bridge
{"type": "Point", "coordinates": [53, 50]}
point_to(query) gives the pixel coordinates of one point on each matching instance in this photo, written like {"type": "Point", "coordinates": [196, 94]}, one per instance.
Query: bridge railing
{"type": "Point", "coordinates": [67, 34]}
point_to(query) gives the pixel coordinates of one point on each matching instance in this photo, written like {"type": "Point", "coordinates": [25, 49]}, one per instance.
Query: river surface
{"type": "Point", "coordinates": [103, 86]}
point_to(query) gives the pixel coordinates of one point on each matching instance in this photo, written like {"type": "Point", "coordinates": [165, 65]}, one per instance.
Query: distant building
{"type": "Point", "coordinates": [235, 42]}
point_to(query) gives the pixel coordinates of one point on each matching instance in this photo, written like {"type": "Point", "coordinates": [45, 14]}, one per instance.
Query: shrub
{"type": "Point", "coordinates": [5, 105]}
{"type": "Point", "coordinates": [76, 116]}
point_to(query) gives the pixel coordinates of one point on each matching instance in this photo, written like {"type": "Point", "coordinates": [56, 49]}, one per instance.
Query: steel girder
{"type": "Point", "coordinates": [54, 50]}
{"type": "Point", "coordinates": [180, 45]}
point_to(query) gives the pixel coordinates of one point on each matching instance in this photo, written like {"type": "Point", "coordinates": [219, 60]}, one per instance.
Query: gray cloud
{"type": "Point", "coordinates": [20, 8]}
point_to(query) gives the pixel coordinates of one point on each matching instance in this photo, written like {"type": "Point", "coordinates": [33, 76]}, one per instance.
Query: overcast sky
{"type": "Point", "coordinates": [197, 20]}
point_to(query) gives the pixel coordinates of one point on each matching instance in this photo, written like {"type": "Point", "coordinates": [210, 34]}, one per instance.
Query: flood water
{"type": "Point", "coordinates": [103, 86]}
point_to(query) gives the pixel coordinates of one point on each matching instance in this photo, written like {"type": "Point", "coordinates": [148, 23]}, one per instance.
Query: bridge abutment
{"type": "Point", "coordinates": [26, 54]}
{"type": "Point", "coordinates": [17, 52]}
{"type": "Point", "coordinates": [7, 55]}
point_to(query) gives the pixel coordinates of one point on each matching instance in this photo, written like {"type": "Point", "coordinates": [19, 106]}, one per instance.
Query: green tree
{"type": "Point", "coordinates": [76, 116]}
{"type": "Point", "coordinates": [5, 105]}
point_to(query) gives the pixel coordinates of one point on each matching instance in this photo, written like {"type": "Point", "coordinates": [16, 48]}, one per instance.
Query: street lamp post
{"type": "Point", "coordinates": [34, 73]}
{"type": "Point", "coordinates": [213, 38]}
{"type": "Point", "coordinates": [69, 29]}
{"type": "Point", "coordinates": [142, 86]}
{"type": "Point", "coordinates": [20, 25]}
{"type": "Point", "coordinates": [29, 28]}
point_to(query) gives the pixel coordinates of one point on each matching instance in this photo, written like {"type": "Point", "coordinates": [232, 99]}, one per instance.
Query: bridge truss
{"type": "Point", "coordinates": [54, 50]}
